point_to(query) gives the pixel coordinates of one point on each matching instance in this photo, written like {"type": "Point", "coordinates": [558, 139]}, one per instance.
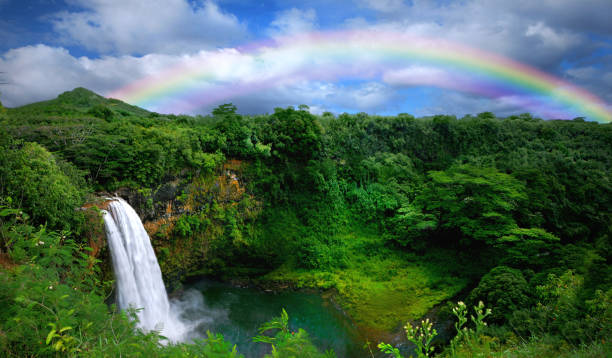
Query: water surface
{"type": "Point", "coordinates": [238, 312]}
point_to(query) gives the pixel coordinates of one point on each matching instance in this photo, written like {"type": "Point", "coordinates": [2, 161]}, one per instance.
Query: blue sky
{"type": "Point", "coordinates": [50, 46]}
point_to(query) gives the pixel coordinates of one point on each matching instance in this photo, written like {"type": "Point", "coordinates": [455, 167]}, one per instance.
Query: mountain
{"type": "Point", "coordinates": [81, 101]}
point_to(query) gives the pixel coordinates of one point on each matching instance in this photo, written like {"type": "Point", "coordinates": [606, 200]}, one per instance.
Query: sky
{"type": "Point", "coordinates": [245, 52]}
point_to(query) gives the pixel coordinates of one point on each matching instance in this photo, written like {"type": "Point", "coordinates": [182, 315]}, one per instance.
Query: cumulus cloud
{"type": "Point", "coordinates": [370, 96]}
{"type": "Point", "coordinates": [144, 26]}
{"type": "Point", "coordinates": [581, 16]}
{"type": "Point", "coordinates": [541, 33]}
{"type": "Point", "coordinates": [257, 86]}
{"type": "Point", "coordinates": [418, 75]}
{"type": "Point", "coordinates": [461, 104]}
{"type": "Point", "coordinates": [321, 96]}
{"type": "Point", "coordinates": [551, 38]}
{"type": "Point", "coordinates": [461, 93]}
{"type": "Point", "coordinates": [178, 33]}
{"type": "Point", "coordinates": [41, 72]}
{"type": "Point", "coordinates": [385, 6]}
{"type": "Point", "coordinates": [597, 79]}
{"type": "Point", "coordinates": [293, 21]}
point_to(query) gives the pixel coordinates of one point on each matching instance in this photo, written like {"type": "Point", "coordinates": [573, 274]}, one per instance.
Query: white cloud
{"type": "Point", "coordinates": [386, 6]}
{"type": "Point", "coordinates": [541, 33]}
{"type": "Point", "coordinates": [42, 72]}
{"type": "Point", "coordinates": [596, 79]}
{"type": "Point", "coordinates": [257, 85]}
{"type": "Point", "coordinates": [551, 38]}
{"type": "Point", "coordinates": [293, 21]}
{"type": "Point", "coordinates": [174, 35]}
{"type": "Point", "coordinates": [356, 23]}
{"type": "Point", "coordinates": [370, 96]}
{"type": "Point", "coordinates": [461, 104]}
{"type": "Point", "coordinates": [416, 75]}
{"type": "Point", "coordinates": [321, 96]}
{"type": "Point", "coordinates": [144, 26]}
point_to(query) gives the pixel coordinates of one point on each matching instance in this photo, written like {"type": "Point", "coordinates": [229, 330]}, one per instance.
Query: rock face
{"type": "Point", "coordinates": [154, 204]}
{"type": "Point", "coordinates": [191, 221]}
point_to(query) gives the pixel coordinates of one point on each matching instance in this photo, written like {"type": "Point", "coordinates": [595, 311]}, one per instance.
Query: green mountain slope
{"type": "Point", "coordinates": [81, 101]}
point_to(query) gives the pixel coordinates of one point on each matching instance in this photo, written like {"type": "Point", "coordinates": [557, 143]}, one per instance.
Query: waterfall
{"type": "Point", "coordinates": [138, 276]}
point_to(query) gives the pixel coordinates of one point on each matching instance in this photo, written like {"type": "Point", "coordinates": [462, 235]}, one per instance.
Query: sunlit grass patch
{"type": "Point", "coordinates": [380, 288]}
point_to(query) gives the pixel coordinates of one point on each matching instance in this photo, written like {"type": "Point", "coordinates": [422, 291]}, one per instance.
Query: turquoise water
{"type": "Point", "coordinates": [238, 312]}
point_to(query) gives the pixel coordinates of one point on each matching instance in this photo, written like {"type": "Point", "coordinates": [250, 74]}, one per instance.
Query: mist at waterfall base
{"type": "Point", "coordinates": [209, 305]}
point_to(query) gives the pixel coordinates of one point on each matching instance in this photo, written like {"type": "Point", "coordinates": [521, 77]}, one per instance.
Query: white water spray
{"type": "Point", "coordinates": [139, 278]}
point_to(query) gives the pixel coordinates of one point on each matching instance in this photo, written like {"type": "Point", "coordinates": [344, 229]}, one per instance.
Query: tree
{"type": "Point", "coordinates": [237, 133]}
{"type": "Point", "coordinates": [527, 247]}
{"type": "Point", "coordinates": [293, 135]}
{"type": "Point", "coordinates": [475, 202]}
{"type": "Point", "coordinates": [2, 110]}
{"type": "Point", "coordinates": [224, 110]}
{"type": "Point", "coordinates": [503, 289]}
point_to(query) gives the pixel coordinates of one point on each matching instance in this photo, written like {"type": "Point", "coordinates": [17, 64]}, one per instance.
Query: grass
{"type": "Point", "coordinates": [380, 288]}
{"type": "Point", "coordinates": [543, 347]}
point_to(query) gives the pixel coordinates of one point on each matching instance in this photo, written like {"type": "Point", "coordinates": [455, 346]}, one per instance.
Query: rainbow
{"type": "Point", "coordinates": [397, 59]}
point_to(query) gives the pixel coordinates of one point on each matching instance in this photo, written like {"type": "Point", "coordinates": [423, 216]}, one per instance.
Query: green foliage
{"type": "Point", "coordinates": [519, 192]}
{"type": "Point", "coordinates": [377, 278]}
{"type": "Point", "coordinates": [467, 336]}
{"type": "Point", "coordinates": [475, 202]}
{"type": "Point", "coordinates": [561, 311]}
{"type": "Point", "coordinates": [555, 325]}
{"type": "Point", "coordinates": [280, 323]}
{"type": "Point", "coordinates": [235, 129]}
{"type": "Point", "coordinates": [101, 111]}
{"type": "Point", "coordinates": [213, 347]}
{"type": "Point", "coordinates": [389, 349]}
{"type": "Point", "coordinates": [53, 303]}
{"type": "Point", "coordinates": [314, 253]}
{"type": "Point", "coordinates": [527, 247]}
{"type": "Point", "coordinates": [373, 203]}
{"type": "Point", "coordinates": [421, 336]}
{"type": "Point", "coordinates": [48, 190]}
{"type": "Point", "coordinates": [188, 225]}
{"type": "Point", "coordinates": [286, 343]}
{"type": "Point", "coordinates": [411, 227]}
{"type": "Point", "coordinates": [503, 289]}
{"type": "Point", "coordinates": [2, 111]}
{"type": "Point", "coordinates": [293, 135]}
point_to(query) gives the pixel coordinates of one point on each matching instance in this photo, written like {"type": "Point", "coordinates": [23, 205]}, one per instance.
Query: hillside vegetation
{"type": "Point", "coordinates": [393, 215]}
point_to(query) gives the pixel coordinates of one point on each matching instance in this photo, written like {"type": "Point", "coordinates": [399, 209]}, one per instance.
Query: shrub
{"type": "Point", "coordinates": [38, 184]}
{"type": "Point", "coordinates": [504, 290]}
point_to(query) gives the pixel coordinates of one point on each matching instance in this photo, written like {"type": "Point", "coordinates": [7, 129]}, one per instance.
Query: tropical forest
{"type": "Point", "coordinates": [294, 234]}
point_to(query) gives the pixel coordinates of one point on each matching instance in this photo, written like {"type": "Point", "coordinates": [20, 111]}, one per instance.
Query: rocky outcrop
{"type": "Point", "coordinates": [153, 204]}
{"type": "Point", "coordinates": [184, 216]}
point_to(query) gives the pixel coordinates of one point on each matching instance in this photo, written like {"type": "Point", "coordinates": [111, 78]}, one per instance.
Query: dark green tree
{"type": "Point", "coordinates": [476, 203]}
{"type": "Point", "coordinates": [504, 290]}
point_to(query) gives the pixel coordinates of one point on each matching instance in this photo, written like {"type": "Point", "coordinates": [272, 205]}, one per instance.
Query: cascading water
{"type": "Point", "coordinates": [138, 276]}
